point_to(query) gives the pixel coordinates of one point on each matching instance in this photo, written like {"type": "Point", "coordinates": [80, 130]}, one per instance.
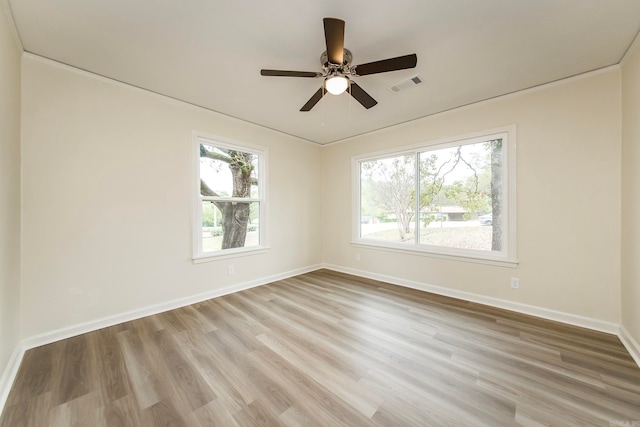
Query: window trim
{"type": "Point", "coordinates": [506, 258]}
{"type": "Point", "coordinates": [198, 255]}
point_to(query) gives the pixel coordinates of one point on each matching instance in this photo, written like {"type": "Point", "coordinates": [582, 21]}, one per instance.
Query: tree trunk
{"type": "Point", "coordinates": [235, 218]}
{"type": "Point", "coordinates": [235, 215]}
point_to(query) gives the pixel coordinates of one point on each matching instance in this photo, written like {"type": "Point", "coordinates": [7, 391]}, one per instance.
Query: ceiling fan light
{"type": "Point", "coordinates": [336, 85]}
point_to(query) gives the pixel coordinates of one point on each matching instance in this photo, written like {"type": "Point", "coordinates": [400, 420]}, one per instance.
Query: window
{"type": "Point", "coordinates": [229, 206]}
{"type": "Point", "coordinates": [452, 198]}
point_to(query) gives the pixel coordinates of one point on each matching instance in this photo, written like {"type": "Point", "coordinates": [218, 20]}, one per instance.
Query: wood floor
{"type": "Point", "coordinates": [328, 349]}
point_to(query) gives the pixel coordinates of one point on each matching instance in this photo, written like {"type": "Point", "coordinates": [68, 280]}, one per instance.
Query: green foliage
{"type": "Point", "coordinates": [434, 217]}
{"type": "Point", "coordinates": [254, 214]}
{"type": "Point", "coordinates": [473, 192]}
{"type": "Point", "coordinates": [454, 176]}
{"type": "Point", "coordinates": [209, 216]}
{"type": "Point", "coordinates": [430, 181]}
{"type": "Point", "coordinates": [459, 182]}
{"type": "Point", "coordinates": [369, 203]}
{"type": "Point", "coordinates": [388, 189]}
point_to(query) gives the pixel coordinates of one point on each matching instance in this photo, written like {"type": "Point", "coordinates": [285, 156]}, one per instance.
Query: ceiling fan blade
{"type": "Point", "coordinates": [361, 96]}
{"type": "Point", "coordinates": [334, 37]}
{"type": "Point", "coordinates": [313, 100]}
{"type": "Point", "coordinates": [285, 73]}
{"type": "Point", "coordinates": [385, 65]}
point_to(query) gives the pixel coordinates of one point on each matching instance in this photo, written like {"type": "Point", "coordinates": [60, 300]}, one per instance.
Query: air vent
{"type": "Point", "coordinates": [405, 84]}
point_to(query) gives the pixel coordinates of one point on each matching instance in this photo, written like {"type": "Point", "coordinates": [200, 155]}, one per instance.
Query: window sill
{"type": "Point", "coordinates": [467, 256]}
{"type": "Point", "coordinates": [230, 253]}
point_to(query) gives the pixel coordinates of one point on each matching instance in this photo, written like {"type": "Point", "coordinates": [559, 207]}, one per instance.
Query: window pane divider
{"type": "Point", "coordinates": [229, 199]}
{"type": "Point", "coordinates": [417, 189]}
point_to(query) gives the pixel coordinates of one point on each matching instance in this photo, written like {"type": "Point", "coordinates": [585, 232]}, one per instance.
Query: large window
{"type": "Point", "coordinates": [229, 206]}
{"type": "Point", "coordinates": [452, 198]}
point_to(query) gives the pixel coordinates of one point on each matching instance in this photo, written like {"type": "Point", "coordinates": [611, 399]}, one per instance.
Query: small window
{"type": "Point", "coordinates": [453, 198]}
{"type": "Point", "coordinates": [229, 183]}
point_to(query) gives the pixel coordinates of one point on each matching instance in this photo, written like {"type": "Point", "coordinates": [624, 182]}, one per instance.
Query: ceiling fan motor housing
{"type": "Point", "coordinates": [324, 60]}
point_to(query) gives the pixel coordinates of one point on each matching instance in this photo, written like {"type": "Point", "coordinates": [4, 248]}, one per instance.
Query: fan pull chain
{"type": "Point", "coordinates": [323, 110]}
{"type": "Point", "coordinates": [350, 103]}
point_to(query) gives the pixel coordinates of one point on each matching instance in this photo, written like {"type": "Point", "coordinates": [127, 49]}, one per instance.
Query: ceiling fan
{"type": "Point", "coordinates": [337, 68]}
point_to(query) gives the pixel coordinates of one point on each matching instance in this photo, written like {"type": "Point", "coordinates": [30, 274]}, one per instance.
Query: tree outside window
{"type": "Point", "coordinates": [449, 198]}
{"type": "Point", "coordinates": [229, 209]}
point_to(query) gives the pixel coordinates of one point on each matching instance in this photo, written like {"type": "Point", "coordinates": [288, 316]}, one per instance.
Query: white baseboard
{"type": "Point", "coordinates": [94, 325]}
{"type": "Point", "coordinates": [545, 313]}
{"type": "Point", "coordinates": [9, 374]}
{"type": "Point", "coordinates": [8, 377]}
{"type": "Point", "coordinates": [631, 344]}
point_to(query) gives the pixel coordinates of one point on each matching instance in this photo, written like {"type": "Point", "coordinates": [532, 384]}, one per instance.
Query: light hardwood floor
{"type": "Point", "coordinates": [328, 349]}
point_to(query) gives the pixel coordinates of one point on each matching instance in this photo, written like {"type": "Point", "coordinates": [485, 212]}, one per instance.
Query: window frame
{"type": "Point", "coordinates": [507, 257]}
{"type": "Point", "coordinates": [198, 255]}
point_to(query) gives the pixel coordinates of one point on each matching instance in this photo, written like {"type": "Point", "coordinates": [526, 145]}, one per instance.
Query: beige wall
{"type": "Point", "coordinates": [107, 207]}
{"type": "Point", "coordinates": [568, 199]}
{"type": "Point", "coordinates": [9, 192]}
{"type": "Point", "coordinates": [106, 203]}
{"type": "Point", "coordinates": [631, 194]}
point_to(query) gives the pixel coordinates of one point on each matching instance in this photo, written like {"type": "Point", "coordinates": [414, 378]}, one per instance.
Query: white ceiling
{"type": "Point", "coordinates": [210, 52]}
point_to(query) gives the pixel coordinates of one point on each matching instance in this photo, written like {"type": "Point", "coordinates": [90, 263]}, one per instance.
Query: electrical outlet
{"type": "Point", "coordinates": [231, 269]}
{"type": "Point", "coordinates": [515, 283]}
{"type": "Point", "coordinates": [357, 257]}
